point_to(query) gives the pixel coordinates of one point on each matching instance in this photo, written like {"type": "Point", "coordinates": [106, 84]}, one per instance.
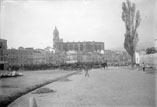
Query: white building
{"type": "Point", "coordinates": [137, 58]}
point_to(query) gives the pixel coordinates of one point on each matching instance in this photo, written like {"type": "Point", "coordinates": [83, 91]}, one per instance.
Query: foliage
{"type": "Point", "coordinates": [151, 50]}
{"type": "Point", "coordinates": [132, 22]}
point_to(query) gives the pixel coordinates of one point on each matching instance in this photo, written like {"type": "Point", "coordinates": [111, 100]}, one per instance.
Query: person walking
{"type": "Point", "coordinates": [106, 65]}
{"type": "Point", "coordinates": [86, 71]}
{"type": "Point", "coordinates": [143, 66]}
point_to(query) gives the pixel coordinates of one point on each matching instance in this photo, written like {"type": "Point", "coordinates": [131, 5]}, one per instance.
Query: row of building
{"type": "Point", "coordinates": [30, 56]}
{"type": "Point", "coordinates": [63, 52]}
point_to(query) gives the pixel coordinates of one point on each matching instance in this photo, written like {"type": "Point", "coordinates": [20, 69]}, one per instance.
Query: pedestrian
{"type": "Point", "coordinates": [143, 66]}
{"type": "Point", "coordinates": [86, 71]}
{"type": "Point", "coordinates": [106, 65]}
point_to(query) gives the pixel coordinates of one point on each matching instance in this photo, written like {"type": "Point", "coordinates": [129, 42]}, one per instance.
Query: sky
{"type": "Point", "coordinates": [30, 23]}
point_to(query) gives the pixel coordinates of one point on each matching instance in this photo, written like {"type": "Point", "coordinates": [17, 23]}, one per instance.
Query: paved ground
{"type": "Point", "coordinates": [104, 88]}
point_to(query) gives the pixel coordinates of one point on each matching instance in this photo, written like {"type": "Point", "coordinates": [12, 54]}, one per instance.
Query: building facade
{"type": "Point", "coordinates": [86, 46]}
{"type": "Point", "coordinates": [3, 57]}
{"type": "Point", "coordinates": [116, 57]}
{"type": "Point", "coordinates": [20, 57]}
{"type": "Point", "coordinates": [29, 56]}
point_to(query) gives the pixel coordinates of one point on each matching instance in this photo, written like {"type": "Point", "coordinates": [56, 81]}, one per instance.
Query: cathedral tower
{"type": "Point", "coordinates": [55, 34]}
{"type": "Point", "coordinates": [57, 42]}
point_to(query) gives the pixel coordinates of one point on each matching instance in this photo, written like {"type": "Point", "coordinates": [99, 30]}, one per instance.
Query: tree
{"type": "Point", "coordinates": [132, 22]}
{"type": "Point", "coordinates": [151, 50]}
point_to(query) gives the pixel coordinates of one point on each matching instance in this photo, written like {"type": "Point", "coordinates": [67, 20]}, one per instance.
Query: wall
{"type": "Point", "coordinates": [3, 57]}
{"type": "Point", "coordinates": [150, 59]}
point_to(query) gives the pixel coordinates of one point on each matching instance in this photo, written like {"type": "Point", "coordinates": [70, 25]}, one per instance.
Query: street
{"type": "Point", "coordinates": [103, 88]}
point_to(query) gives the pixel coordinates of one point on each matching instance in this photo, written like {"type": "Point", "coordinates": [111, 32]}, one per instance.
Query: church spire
{"type": "Point", "coordinates": [56, 33]}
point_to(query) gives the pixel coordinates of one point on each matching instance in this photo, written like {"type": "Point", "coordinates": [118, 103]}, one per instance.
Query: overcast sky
{"type": "Point", "coordinates": [30, 23]}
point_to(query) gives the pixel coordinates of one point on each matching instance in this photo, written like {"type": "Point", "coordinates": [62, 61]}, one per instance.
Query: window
{"type": "Point", "coordinates": [76, 47]}
{"type": "Point", "coordinates": [65, 47]}
{"type": "Point", "coordinates": [70, 47]}
{"type": "Point", "coordinates": [81, 47]}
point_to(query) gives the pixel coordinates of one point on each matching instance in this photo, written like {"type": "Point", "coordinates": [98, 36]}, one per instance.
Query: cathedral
{"type": "Point", "coordinates": [86, 46]}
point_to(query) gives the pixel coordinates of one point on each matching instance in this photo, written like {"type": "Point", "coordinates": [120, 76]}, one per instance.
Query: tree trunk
{"type": "Point", "coordinates": [132, 64]}
{"type": "Point", "coordinates": [132, 60]}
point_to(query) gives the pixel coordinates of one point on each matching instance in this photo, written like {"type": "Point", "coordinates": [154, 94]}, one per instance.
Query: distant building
{"type": "Point", "coordinates": [38, 58]}
{"type": "Point", "coordinates": [18, 57]}
{"type": "Point", "coordinates": [3, 58]}
{"type": "Point", "coordinates": [41, 56]}
{"type": "Point", "coordinates": [137, 58]}
{"type": "Point", "coordinates": [116, 57]}
{"type": "Point", "coordinates": [29, 56]}
{"type": "Point", "coordinates": [142, 52]}
{"type": "Point", "coordinates": [71, 57]}
{"type": "Point", "coordinates": [87, 46]}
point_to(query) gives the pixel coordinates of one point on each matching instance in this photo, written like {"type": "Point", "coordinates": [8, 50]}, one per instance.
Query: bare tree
{"type": "Point", "coordinates": [132, 22]}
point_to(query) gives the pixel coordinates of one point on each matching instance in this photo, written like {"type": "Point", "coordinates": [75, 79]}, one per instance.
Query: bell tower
{"type": "Point", "coordinates": [55, 33]}
{"type": "Point", "coordinates": [57, 42]}
{"type": "Point", "coordinates": [55, 37]}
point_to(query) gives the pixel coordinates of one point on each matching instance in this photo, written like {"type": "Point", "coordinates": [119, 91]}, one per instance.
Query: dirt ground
{"type": "Point", "coordinates": [120, 87]}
